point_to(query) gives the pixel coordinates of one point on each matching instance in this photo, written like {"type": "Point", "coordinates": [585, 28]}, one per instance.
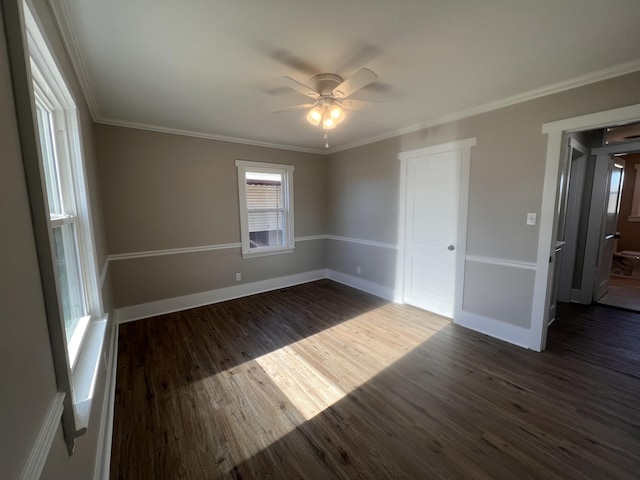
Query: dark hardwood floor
{"type": "Point", "coordinates": [321, 381]}
{"type": "Point", "coordinates": [623, 292]}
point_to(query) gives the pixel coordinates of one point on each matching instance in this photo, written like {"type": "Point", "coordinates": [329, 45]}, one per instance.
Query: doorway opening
{"type": "Point", "coordinates": [597, 251]}
{"type": "Point", "coordinates": [556, 159]}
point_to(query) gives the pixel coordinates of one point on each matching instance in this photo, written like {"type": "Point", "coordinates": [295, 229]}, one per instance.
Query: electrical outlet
{"type": "Point", "coordinates": [531, 218]}
{"type": "Point", "coordinates": [358, 270]}
{"type": "Point", "coordinates": [238, 277]}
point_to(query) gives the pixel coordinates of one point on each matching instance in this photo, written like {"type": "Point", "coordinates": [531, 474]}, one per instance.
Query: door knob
{"type": "Point", "coordinates": [451, 248]}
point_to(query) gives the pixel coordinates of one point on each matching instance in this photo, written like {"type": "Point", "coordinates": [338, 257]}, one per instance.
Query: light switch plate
{"type": "Point", "coordinates": [531, 218]}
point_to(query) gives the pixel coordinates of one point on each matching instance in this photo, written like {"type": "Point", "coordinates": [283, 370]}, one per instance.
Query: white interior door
{"type": "Point", "coordinates": [609, 224]}
{"type": "Point", "coordinates": [432, 207]}
{"type": "Point", "coordinates": [575, 221]}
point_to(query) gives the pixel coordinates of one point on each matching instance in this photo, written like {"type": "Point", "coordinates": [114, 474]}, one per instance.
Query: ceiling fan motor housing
{"type": "Point", "coordinates": [324, 83]}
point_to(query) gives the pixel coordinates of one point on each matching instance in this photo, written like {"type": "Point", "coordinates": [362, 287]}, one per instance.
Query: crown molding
{"type": "Point", "coordinates": [209, 136]}
{"type": "Point", "coordinates": [582, 80]}
{"type": "Point", "coordinates": [70, 42]}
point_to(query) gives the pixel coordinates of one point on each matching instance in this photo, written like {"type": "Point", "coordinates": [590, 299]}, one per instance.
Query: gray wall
{"type": "Point", "coordinates": [507, 169]}
{"type": "Point", "coordinates": [164, 191]}
{"type": "Point", "coordinates": [26, 364]}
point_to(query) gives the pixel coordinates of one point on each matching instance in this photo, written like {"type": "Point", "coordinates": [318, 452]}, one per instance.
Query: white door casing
{"type": "Point", "coordinates": [432, 227]}
{"type": "Point", "coordinates": [546, 237]}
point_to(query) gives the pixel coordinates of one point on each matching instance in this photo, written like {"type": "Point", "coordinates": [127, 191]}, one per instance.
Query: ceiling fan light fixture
{"type": "Point", "coordinates": [336, 113]}
{"type": "Point", "coordinates": [328, 114]}
{"type": "Point", "coordinates": [330, 91]}
{"type": "Point", "coordinates": [314, 117]}
{"type": "Point", "coordinates": [328, 123]}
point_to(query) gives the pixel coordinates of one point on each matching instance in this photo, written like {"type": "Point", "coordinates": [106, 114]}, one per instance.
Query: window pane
{"type": "Point", "coordinates": [71, 293]}
{"type": "Point", "coordinates": [264, 190]}
{"type": "Point", "coordinates": [51, 174]}
{"type": "Point", "coordinates": [613, 205]}
{"type": "Point", "coordinates": [266, 229]}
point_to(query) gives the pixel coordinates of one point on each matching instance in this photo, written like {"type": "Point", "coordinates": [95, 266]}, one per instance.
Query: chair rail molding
{"type": "Point", "coordinates": [40, 451]}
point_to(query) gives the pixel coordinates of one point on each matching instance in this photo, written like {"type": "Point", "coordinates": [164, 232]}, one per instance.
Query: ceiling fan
{"type": "Point", "coordinates": [330, 93]}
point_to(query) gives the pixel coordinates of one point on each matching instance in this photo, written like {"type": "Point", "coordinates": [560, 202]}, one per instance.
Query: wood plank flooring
{"type": "Point", "coordinates": [623, 292]}
{"type": "Point", "coordinates": [321, 381]}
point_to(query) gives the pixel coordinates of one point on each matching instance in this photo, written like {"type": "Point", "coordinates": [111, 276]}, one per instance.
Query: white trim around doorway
{"type": "Point", "coordinates": [555, 132]}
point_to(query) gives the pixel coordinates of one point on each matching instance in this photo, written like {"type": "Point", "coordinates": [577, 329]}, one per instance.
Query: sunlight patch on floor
{"type": "Point", "coordinates": [307, 388]}
{"type": "Point", "coordinates": [308, 376]}
{"type": "Point", "coordinates": [318, 371]}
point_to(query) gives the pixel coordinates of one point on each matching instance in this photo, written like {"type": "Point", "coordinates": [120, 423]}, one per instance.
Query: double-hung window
{"type": "Point", "coordinates": [77, 329]}
{"type": "Point", "coordinates": [63, 218]}
{"type": "Point", "coordinates": [266, 207]}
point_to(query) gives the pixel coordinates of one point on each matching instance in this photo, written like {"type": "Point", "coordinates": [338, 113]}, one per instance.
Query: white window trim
{"type": "Point", "coordinates": [64, 148]}
{"type": "Point", "coordinates": [244, 166]}
{"type": "Point", "coordinates": [83, 351]}
{"type": "Point", "coordinates": [44, 75]}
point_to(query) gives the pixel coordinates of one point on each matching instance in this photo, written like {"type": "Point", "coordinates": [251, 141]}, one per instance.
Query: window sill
{"type": "Point", "coordinates": [77, 339]}
{"type": "Point", "coordinates": [86, 372]}
{"type": "Point", "coordinates": [263, 253]}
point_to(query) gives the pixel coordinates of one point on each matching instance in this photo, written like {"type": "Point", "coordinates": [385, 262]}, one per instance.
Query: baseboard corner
{"type": "Point", "coordinates": [492, 327]}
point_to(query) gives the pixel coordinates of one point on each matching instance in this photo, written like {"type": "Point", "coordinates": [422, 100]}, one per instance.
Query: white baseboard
{"type": "Point", "coordinates": [40, 451]}
{"type": "Point", "coordinates": [489, 326]}
{"type": "Point", "coordinates": [495, 328]}
{"type": "Point", "coordinates": [364, 285]}
{"type": "Point", "coordinates": [170, 305]}
{"type": "Point", "coordinates": [103, 455]}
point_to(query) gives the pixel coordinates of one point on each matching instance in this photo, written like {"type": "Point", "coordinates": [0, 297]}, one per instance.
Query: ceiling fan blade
{"type": "Point", "coordinates": [300, 87]}
{"type": "Point", "coordinates": [296, 107]}
{"type": "Point", "coordinates": [355, 82]}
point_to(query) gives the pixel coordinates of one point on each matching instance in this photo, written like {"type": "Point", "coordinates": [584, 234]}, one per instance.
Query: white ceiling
{"type": "Point", "coordinates": [211, 68]}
